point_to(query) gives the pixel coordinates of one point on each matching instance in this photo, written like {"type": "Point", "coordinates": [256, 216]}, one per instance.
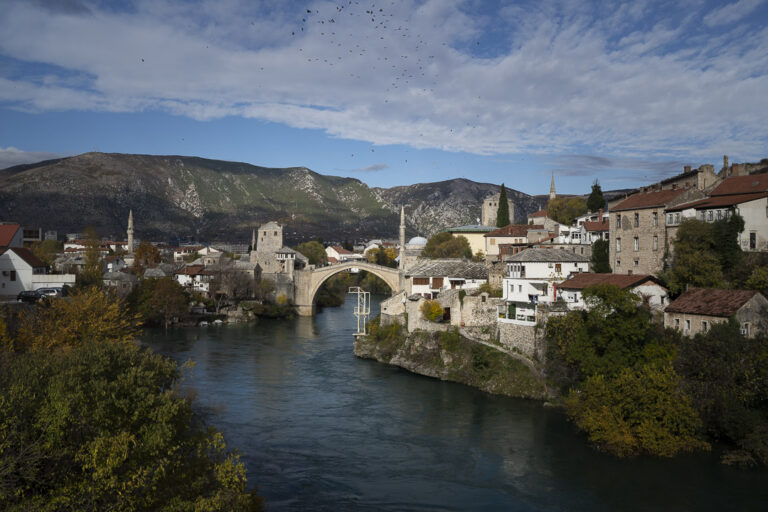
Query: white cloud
{"type": "Point", "coordinates": [11, 156]}
{"type": "Point", "coordinates": [565, 78]}
{"type": "Point", "coordinates": [731, 12]}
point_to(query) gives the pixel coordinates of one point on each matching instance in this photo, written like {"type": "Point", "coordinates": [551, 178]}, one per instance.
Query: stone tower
{"type": "Point", "coordinates": [270, 238]}
{"type": "Point", "coordinates": [552, 193]}
{"type": "Point", "coordinates": [401, 263]}
{"type": "Point", "coordinates": [130, 232]}
{"type": "Point", "coordinates": [490, 210]}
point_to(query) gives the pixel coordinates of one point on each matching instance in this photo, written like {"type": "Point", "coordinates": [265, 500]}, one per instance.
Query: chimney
{"type": "Point", "coordinates": [725, 161]}
{"type": "Point", "coordinates": [600, 218]}
{"type": "Point", "coordinates": [687, 169]}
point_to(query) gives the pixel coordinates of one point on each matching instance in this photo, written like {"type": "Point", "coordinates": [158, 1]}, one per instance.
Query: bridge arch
{"type": "Point", "coordinates": [307, 288]}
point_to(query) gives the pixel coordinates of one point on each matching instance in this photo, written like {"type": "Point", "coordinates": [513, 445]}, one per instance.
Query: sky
{"type": "Point", "coordinates": [393, 92]}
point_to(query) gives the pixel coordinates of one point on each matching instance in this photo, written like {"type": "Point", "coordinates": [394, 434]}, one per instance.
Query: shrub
{"type": "Point", "coordinates": [432, 310]}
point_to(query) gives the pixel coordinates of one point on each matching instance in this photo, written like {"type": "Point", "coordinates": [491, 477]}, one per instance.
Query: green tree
{"type": "Point", "coordinates": [695, 261]}
{"type": "Point", "coordinates": [384, 256]}
{"type": "Point", "coordinates": [314, 251]}
{"type": "Point", "coordinates": [91, 273]}
{"type": "Point", "coordinates": [725, 235]}
{"type": "Point", "coordinates": [595, 201]}
{"type": "Point", "coordinates": [758, 280]}
{"type": "Point", "coordinates": [104, 426]}
{"type": "Point", "coordinates": [445, 245]}
{"type": "Point", "coordinates": [502, 214]}
{"type": "Point", "coordinates": [565, 209]}
{"type": "Point", "coordinates": [638, 410]}
{"type": "Point", "coordinates": [432, 310]}
{"type": "Point", "coordinates": [47, 250]}
{"type": "Point", "coordinates": [601, 253]}
{"type": "Point", "coordinates": [158, 301]}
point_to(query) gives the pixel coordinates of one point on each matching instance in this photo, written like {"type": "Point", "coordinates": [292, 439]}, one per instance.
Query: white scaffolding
{"type": "Point", "coordinates": [362, 310]}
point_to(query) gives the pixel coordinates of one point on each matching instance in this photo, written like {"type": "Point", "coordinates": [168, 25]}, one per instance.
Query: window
{"type": "Point", "coordinates": [677, 323]}
{"type": "Point", "coordinates": [704, 325]}
{"type": "Point", "coordinates": [636, 242]}
{"type": "Point", "coordinates": [618, 263]}
{"type": "Point", "coordinates": [655, 219]}
{"type": "Point", "coordinates": [637, 220]}
{"type": "Point", "coordinates": [420, 280]}
{"type": "Point", "coordinates": [618, 245]}
{"type": "Point", "coordinates": [745, 329]}
{"type": "Point", "coordinates": [753, 240]}
{"type": "Point", "coordinates": [558, 268]}
{"type": "Point", "coordinates": [520, 288]}
{"type": "Point", "coordinates": [618, 221]}
{"type": "Point", "coordinates": [687, 325]}
{"type": "Point", "coordinates": [637, 262]}
{"type": "Point", "coordinates": [709, 215]}
{"type": "Point", "coordinates": [655, 242]}
{"type": "Point", "coordinates": [677, 218]}
{"type": "Point", "coordinates": [669, 219]}
{"type": "Point", "coordinates": [13, 275]}
{"type": "Point", "coordinates": [493, 241]}
{"type": "Point", "coordinates": [719, 214]}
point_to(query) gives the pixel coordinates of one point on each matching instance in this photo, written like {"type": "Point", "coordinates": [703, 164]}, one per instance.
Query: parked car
{"type": "Point", "coordinates": [29, 296]}
{"type": "Point", "coordinates": [51, 292]}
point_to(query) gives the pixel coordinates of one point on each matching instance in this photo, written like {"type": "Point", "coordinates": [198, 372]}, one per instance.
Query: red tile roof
{"type": "Point", "coordinates": [742, 185]}
{"type": "Point", "coordinates": [710, 302]}
{"type": "Point", "coordinates": [7, 232]}
{"type": "Point", "coordinates": [719, 201]}
{"type": "Point", "coordinates": [653, 199]}
{"type": "Point", "coordinates": [540, 213]}
{"type": "Point", "coordinates": [513, 230]}
{"type": "Point", "coordinates": [339, 249]}
{"type": "Point", "coordinates": [191, 270]}
{"type": "Point", "coordinates": [623, 281]}
{"type": "Point", "coordinates": [28, 256]}
{"type": "Point", "coordinates": [603, 225]}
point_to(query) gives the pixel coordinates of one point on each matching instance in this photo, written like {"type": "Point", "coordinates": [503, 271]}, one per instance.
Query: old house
{"type": "Point", "coordinates": [121, 283]}
{"type": "Point", "coordinates": [638, 231]}
{"type": "Point", "coordinates": [430, 277]}
{"type": "Point", "coordinates": [532, 277]}
{"type": "Point", "coordinates": [646, 286]}
{"type": "Point", "coordinates": [195, 278]}
{"type": "Point", "coordinates": [474, 233]}
{"type": "Point", "coordinates": [507, 240]}
{"type": "Point", "coordinates": [21, 270]}
{"type": "Point", "coordinates": [697, 309]}
{"type": "Point", "coordinates": [338, 254]}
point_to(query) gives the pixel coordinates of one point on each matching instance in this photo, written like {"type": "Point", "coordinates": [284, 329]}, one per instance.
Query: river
{"type": "Point", "coordinates": [320, 430]}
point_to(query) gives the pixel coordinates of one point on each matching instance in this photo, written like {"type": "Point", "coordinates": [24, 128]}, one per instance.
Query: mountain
{"type": "Point", "coordinates": [217, 200]}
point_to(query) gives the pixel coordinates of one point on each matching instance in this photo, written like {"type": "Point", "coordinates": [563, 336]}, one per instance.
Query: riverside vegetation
{"type": "Point", "coordinates": [91, 421]}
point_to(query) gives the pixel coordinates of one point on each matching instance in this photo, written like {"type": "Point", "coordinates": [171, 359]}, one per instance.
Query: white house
{"type": "Point", "coordinates": [11, 235]}
{"type": "Point", "coordinates": [21, 270]}
{"type": "Point", "coordinates": [195, 278]}
{"type": "Point", "coordinates": [532, 277]}
{"type": "Point", "coordinates": [501, 241]}
{"type": "Point", "coordinates": [338, 254]}
{"type": "Point", "coordinates": [430, 277]}
{"type": "Point", "coordinates": [180, 253]}
{"type": "Point", "coordinates": [645, 286]}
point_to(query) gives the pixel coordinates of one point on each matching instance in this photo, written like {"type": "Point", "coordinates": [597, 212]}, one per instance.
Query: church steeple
{"type": "Point", "coordinates": [130, 231]}
{"type": "Point", "coordinates": [552, 193]}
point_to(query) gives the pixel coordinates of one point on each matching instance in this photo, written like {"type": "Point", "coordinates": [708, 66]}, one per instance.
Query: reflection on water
{"type": "Point", "coordinates": [322, 430]}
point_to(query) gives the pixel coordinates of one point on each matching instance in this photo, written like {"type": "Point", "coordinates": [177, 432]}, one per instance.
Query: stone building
{"type": "Point", "coordinates": [645, 286]}
{"type": "Point", "coordinates": [696, 310]}
{"type": "Point", "coordinates": [275, 261]}
{"type": "Point", "coordinates": [638, 232]}
{"type": "Point", "coordinates": [490, 210]}
{"type": "Point", "coordinates": [702, 178]}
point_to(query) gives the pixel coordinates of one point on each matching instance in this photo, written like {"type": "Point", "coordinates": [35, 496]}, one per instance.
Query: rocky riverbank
{"type": "Point", "coordinates": [451, 357]}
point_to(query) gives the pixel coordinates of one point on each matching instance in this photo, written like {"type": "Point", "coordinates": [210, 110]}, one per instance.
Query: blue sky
{"type": "Point", "coordinates": [393, 93]}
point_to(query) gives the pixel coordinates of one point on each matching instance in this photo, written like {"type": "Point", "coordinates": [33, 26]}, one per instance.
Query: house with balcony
{"type": "Point", "coordinates": [645, 286]}
{"type": "Point", "coordinates": [532, 279]}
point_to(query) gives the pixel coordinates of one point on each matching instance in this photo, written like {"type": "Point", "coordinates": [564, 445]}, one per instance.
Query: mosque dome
{"type": "Point", "coordinates": [417, 240]}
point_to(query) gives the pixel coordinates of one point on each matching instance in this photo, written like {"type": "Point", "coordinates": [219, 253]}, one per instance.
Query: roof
{"type": "Point", "coordinates": [119, 276]}
{"type": "Point", "coordinates": [449, 267]}
{"type": "Point", "coordinates": [710, 302]}
{"type": "Point", "coordinates": [540, 213]}
{"type": "Point", "coordinates": [749, 184]}
{"type": "Point", "coordinates": [154, 273]}
{"type": "Point", "coordinates": [270, 225]}
{"type": "Point", "coordinates": [471, 228]}
{"type": "Point", "coordinates": [339, 249]}
{"type": "Point", "coordinates": [653, 199]}
{"type": "Point", "coordinates": [513, 230]}
{"type": "Point", "coordinates": [28, 256]}
{"type": "Point", "coordinates": [547, 255]}
{"type": "Point", "coordinates": [191, 270]}
{"type": "Point", "coordinates": [7, 232]}
{"type": "Point", "coordinates": [623, 281]}
{"type": "Point", "coordinates": [719, 201]}
{"type": "Point", "coordinates": [603, 225]}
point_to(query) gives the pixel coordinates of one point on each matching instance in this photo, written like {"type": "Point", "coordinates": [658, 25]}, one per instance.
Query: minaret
{"type": "Point", "coordinates": [130, 232]}
{"type": "Point", "coordinates": [552, 194]}
{"type": "Point", "coordinates": [401, 264]}
{"type": "Point", "coordinates": [252, 256]}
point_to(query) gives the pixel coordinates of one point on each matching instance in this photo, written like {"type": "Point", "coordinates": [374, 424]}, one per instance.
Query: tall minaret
{"type": "Point", "coordinates": [552, 194]}
{"type": "Point", "coordinates": [401, 264]}
{"type": "Point", "coordinates": [252, 256]}
{"type": "Point", "coordinates": [130, 232]}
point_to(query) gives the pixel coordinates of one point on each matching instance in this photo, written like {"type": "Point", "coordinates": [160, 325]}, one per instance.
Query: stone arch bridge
{"type": "Point", "coordinates": [308, 281]}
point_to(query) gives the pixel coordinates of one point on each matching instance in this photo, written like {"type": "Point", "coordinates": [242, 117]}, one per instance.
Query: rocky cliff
{"type": "Point", "coordinates": [218, 200]}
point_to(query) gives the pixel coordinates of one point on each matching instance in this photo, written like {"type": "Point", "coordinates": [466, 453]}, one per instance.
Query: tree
{"type": "Point", "coordinates": [91, 273]}
{"type": "Point", "coordinates": [502, 214]}
{"type": "Point", "coordinates": [47, 251]}
{"type": "Point", "coordinates": [639, 410]}
{"type": "Point", "coordinates": [725, 234]}
{"type": "Point", "coordinates": [89, 314]}
{"type": "Point", "coordinates": [159, 301]}
{"type": "Point", "coordinates": [146, 255]}
{"type": "Point", "coordinates": [601, 257]}
{"type": "Point", "coordinates": [104, 426]}
{"type": "Point", "coordinates": [432, 310]}
{"type": "Point", "coordinates": [385, 256]}
{"type": "Point", "coordinates": [695, 261]}
{"type": "Point", "coordinates": [565, 209]}
{"type": "Point", "coordinates": [445, 245]}
{"type": "Point", "coordinates": [479, 256]}
{"type": "Point", "coordinates": [758, 280]}
{"type": "Point", "coordinates": [314, 251]}
{"type": "Point", "coordinates": [596, 201]}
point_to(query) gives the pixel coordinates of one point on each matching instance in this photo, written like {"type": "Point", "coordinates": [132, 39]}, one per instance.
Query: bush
{"type": "Point", "coordinates": [432, 310]}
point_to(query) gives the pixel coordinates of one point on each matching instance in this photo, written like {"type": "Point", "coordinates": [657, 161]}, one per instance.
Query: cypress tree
{"type": "Point", "coordinates": [502, 214]}
{"type": "Point", "coordinates": [596, 199]}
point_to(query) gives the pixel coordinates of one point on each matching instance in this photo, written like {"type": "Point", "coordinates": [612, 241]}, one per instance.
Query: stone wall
{"type": "Point", "coordinates": [393, 310]}
{"type": "Point", "coordinates": [521, 338]}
